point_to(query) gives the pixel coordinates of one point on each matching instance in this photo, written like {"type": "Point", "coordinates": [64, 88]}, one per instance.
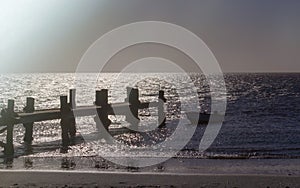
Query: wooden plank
{"type": "Point", "coordinates": [51, 114]}
{"type": "Point", "coordinates": [148, 104]}
{"type": "Point", "coordinates": [119, 109]}
{"type": "Point", "coordinates": [3, 130]}
{"type": "Point", "coordinates": [38, 116]}
{"type": "Point", "coordinates": [123, 108]}
{"type": "Point", "coordinates": [118, 131]}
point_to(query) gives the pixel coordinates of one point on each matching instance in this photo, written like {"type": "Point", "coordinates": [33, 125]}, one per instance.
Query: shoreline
{"type": "Point", "coordinates": [172, 165]}
{"type": "Point", "coordinates": [54, 178]}
{"type": "Point", "coordinates": [173, 173]}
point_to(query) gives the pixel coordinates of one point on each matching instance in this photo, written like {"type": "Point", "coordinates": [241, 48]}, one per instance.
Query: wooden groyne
{"type": "Point", "coordinates": [67, 111]}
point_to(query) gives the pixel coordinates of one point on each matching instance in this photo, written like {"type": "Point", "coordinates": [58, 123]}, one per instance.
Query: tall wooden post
{"type": "Point", "coordinates": [64, 123]}
{"type": "Point", "coordinates": [9, 148]}
{"type": "Point", "coordinates": [72, 104]}
{"type": "Point", "coordinates": [102, 118]}
{"type": "Point", "coordinates": [72, 101]}
{"type": "Point", "coordinates": [134, 103]}
{"type": "Point", "coordinates": [29, 108]}
{"type": "Point", "coordinates": [160, 108]}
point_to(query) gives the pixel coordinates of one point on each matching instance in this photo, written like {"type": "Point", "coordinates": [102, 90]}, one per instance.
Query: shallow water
{"type": "Point", "coordinates": [261, 120]}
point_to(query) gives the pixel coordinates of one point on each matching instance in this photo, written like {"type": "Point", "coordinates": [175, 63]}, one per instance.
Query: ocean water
{"type": "Point", "coordinates": [262, 117]}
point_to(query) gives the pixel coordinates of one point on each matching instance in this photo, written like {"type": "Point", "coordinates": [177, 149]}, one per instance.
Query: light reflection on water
{"type": "Point", "coordinates": [261, 120]}
{"type": "Point", "coordinates": [46, 89]}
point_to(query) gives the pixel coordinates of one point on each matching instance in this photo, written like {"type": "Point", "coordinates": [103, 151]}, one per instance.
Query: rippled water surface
{"type": "Point", "coordinates": [262, 118]}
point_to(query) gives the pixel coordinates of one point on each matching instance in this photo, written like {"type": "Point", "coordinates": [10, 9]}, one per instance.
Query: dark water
{"type": "Point", "coordinates": [262, 117]}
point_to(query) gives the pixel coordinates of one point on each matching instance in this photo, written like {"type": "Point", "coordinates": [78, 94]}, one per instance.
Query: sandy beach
{"type": "Point", "coordinates": [25, 178]}
{"type": "Point", "coordinates": [175, 173]}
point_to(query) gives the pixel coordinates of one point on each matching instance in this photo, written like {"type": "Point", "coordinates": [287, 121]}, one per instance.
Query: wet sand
{"type": "Point", "coordinates": [140, 179]}
{"type": "Point", "coordinates": [173, 173]}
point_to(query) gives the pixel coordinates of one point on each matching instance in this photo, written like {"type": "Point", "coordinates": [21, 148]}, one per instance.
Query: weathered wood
{"type": "Point", "coordinates": [40, 115]}
{"type": "Point", "coordinates": [101, 118]}
{"type": "Point", "coordinates": [66, 113]}
{"type": "Point", "coordinates": [10, 106]}
{"type": "Point", "coordinates": [72, 101]}
{"type": "Point", "coordinates": [102, 97]}
{"type": "Point", "coordinates": [9, 147]}
{"type": "Point", "coordinates": [72, 123]}
{"type": "Point", "coordinates": [2, 144]}
{"type": "Point", "coordinates": [64, 123]}
{"type": "Point", "coordinates": [133, 99]}
{"type": "Point", "coordinates": [160, 108]}
{"type": "Point", "coordinates": [64, 107]}
{"type": "Point", "coordinates": [52, 114]}
{"type": "Point", "coordinates": [29, 108]}
{"type": "Point", "coordinates": [3, 130]}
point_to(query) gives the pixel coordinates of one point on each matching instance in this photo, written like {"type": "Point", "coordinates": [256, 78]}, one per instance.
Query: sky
{"type": "Point", "coordinates": [244, 35]}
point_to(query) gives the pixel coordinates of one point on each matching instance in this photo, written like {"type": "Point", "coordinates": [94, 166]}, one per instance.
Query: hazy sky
{"type": "Point", "coordinates": [244, 35]}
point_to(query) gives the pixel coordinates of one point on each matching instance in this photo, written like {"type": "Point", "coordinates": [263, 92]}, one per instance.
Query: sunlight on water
{"type": "Point", "coordinates": [262, 119]}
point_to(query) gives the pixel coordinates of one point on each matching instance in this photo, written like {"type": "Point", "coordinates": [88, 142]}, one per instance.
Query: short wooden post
{"type": "Point", "coordinates": [64, 123]}
{"type": "Point", "coordinates": [102, 118]}
{"type": "Point", "coordinates": [102, 97]}
{"type": "Point", "coordinates": [134, 103]}
{"type": "Point", "coordinates": [29, 108]}
{"type": "Point", "coordinates": [72, 104]}
{"type": "Point", "coordinates": [9, 148]}
{"type": "Point", "coordinates": [160, 108]}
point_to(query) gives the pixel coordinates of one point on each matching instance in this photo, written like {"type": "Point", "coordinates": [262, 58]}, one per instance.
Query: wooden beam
{"type": "Point", "coordinates": [51, 114]}
{"type": "Point", "coordinates": [42, 115]}
{"type": "Point", "coordinates": [2, 144]}
{"type": "Point", "coordinates": [3, 130]}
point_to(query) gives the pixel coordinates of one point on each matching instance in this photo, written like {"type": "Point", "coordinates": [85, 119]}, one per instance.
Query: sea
{"type": "Point", "coordinates": [262, 118]}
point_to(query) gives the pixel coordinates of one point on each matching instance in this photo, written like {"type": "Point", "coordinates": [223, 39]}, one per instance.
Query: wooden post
{"type": "Point", "coordinates": [102, 97]}
{"type": "Point", "coordinates": [72, 124]}
{"type": "Point", "coordinates": [72, 93]}
{"type": "Point", "coordinates": [134, 103]}
{"type": "Point", "coordinates": [29, 108]}
{"type": "Point", "coordinates": [64, 123]}
{"type": "Point", "coordinates": [160, 108]}
{"type": "Point", "coordinates": [102, 118]}
{"type": "Point", "coordinates": [63, 103]}
{"type": "Point", "coordinates": [9, 148]}
{"type": "Point", "coordinates": [128, 90]}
